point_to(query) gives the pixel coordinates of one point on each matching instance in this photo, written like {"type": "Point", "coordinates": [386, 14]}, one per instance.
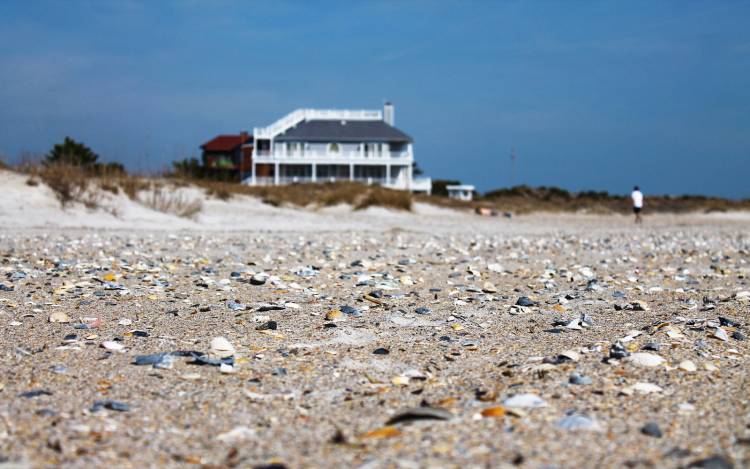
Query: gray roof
{"type": "Point", "coordinates": [343, 131]}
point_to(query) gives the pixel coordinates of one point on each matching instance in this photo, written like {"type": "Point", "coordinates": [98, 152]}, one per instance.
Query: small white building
{"type": "Point", "coordinates": [320, 145]}
{"type": "Point", "coordinates": [460, 192]}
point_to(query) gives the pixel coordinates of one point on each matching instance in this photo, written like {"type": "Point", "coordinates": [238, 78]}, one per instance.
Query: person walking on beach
{"type": "Point", "coordinates": [637, 197]}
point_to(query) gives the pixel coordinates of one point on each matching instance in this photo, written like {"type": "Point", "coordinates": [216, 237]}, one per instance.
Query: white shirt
{"type": "Point", "coordinates": [637, 199]}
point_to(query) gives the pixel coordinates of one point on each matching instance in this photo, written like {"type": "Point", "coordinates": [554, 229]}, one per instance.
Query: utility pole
{"type": "Point", "coordinates": [512, 166]}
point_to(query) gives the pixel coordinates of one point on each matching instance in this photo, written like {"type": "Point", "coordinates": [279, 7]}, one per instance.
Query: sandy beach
{"type": "Point", "coordinates": [254, 335]}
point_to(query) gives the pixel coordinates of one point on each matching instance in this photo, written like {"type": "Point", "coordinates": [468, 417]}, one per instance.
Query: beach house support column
{"type": "Point", "coordinates": [276, 166]}
{"type": "Point", "coordinates": [351, 171]}
{"type": "Point", "coordinates": [408, 176]}
{"type": "Point", "coordinates": [314, 173]}
{"type": "Point", "coordinates": [252, 178]}
{"type": "Point", "coordinates": [387, 174]}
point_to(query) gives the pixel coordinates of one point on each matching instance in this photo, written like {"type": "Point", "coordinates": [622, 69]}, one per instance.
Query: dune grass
{"type": "Point", "coordinates": [76, 184]}
{"type": "Point", "coordinates": [327, 194]}
{"type": "Point", "coordinates": [525, 199]}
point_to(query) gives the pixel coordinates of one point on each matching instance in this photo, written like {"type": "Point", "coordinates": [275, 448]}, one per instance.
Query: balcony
{"type": "Point", "coordinates": [269, 181]}
{"type": "Point", "coordinates": [417, 185]}
{"type": "Point", "coordinates": [268, 156]}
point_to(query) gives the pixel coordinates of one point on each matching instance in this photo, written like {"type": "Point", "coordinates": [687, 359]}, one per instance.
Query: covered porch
{"type": "Point", "coordinates": [395, 176]}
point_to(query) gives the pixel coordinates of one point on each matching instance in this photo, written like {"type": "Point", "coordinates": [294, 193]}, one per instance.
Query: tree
{"type": "Point", "coordinates": [188, 168]}
{"type": "Point", "coordinates": [416, 170]}
{"type": "Point", "coordinates": [439, 186]}
{"type": "Point", "coordinates": [72, 153]}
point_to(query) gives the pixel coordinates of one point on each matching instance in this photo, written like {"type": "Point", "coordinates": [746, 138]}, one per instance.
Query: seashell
{"type": "Point", "coordinates": [645, 359]}
{"type": "Point", "coordinates": [112, 345]}
{"type": "Point", "coordinates": [525, 401]}
{"type": "Point", "coordinates": [575, 422]}
{"type": "Point", "coordinates": [642, 388]}
{"type": "Point", "coordinates": [59, 317]}
{"type": "Point", "coordinates": [221, 348]}
{"type": "Point", "coordinates": [236, 435]}
{"type": "Point", "coordinates": [420, 413]}
{"type": "Point", "coordinates": [687, 365]}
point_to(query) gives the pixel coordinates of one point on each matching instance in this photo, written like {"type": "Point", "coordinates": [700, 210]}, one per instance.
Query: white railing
{"type": "Point", "coordinates": [417, 185]}
{"type": "Point", "coordinates": [260, 181]}
{"type": "Point", "coordinates": [309, 179]}
{"type": "Point", "coordinates": [421, 185]}
{"type": "Point", "coordinates": [343, 157]}
{"type": "Point", "coordinates": [280, 125]}
{"type": "Point", "coordinates": [299, 115]}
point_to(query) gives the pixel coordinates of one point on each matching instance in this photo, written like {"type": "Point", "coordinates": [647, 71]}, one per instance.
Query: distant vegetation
{"type": "Point", "coordinates": [439, 186]}
{"type": "Point", "coordinates": [326, 194]}
{"type": "Point", "coordinates": [525, 199]}
{"type": "Point", "coordinates": [191, 168]}
{"type": "Point", "coordinates": [73, 171]}
{"type": "Point", "coordinates": [72, 153]}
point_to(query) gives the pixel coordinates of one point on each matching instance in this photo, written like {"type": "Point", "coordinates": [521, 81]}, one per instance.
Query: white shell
{"type": "Point", "coordinates": [645, 359]}
{"type": "Point", "coordinates": [221, 348]}
{"type": "Point", "coordinates": [528, 401]}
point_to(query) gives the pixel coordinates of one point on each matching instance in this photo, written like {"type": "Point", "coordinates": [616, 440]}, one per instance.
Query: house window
{"type": "Point", "coordinates": [333, 148]}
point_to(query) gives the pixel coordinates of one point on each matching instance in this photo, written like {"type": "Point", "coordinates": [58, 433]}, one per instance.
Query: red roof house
{"type": "Point", "coordinates": [229, 153]}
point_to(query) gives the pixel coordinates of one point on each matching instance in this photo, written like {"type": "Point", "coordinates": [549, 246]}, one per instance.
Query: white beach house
{"type": "Point", "coordinates": [461, 192]}
{"type": "Point", "coordinates": [317, 145]}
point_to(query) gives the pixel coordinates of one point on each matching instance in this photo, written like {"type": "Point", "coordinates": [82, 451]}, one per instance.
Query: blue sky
{"type": "Point", "coordinates": [594, 95]}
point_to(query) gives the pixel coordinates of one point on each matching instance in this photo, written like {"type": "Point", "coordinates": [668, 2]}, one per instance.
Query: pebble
{"type": "Point", "coordinates": [35, 393]}
{"type": "Point", "coordinates": [652, 346]}
{"type": "Point", "coordinates": [267, 326]}
{"type": "Point", "coordinates": [335, 315]}
{"type": "Point", "coordinates": [234, 306]}
{"type": "Point", "coordinates": [525, 302]}
{"type": "Point", "coordinates": [617, 351]}
{"type": "Point", "coordinates": [110, 404]}
{"type": "Point", "coordinates": [258, 279]}
{"type": "Point", "coordinates": [577, 379]}
{"type": "Point", "coordinates": [150, 359]}
{"type": "Point", "coordinates": [713, 462]}
{"type": "Point", "coordinates": [726, 322]}
{"type": "Point", "coordinates": [651, 429]}
{"type": "Point", "coordinates": [350, 311]}
{"type": "Point", "coordinates": [165, 363]}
